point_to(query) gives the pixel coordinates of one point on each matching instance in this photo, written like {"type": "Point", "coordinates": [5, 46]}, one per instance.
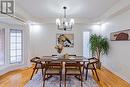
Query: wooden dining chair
{"type": "Point", "coordinates": [52, 68]}
{"type": "Point", "coordinates": [72, 55]}
{"type": "Point", "coordinates": [38, 65]}
{"type": "Point", "coordinates": [73, 69]}
{"type": "Point", "coordinates": [91, 65]}
{"type": "Point", "coordinates": [82, 63]}
{"type": "Point", "coordinates": [54, 55]}
{"type": "Point", "coordinates": [72, 62]}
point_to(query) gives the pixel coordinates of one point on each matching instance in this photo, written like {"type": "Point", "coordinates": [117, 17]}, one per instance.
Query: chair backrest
{"type": "Point", "coordinates": [52, 64]}
{"type": "Point", "coordinates": [72, 55]}
{"type": "Point", "coordinates": [93, 58]}
{"type": "Point", "coordinates": [92, 61]}
{"type": "Point", "coordinates": [54, 55]}
{"type": "Point", "coordinates": [73, 65]}
{"type": "Point", "coordinates": [35, 60]}
{"type": "Point", "coordinates": [69, 62]}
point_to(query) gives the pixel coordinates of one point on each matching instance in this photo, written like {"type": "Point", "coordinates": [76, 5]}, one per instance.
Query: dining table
{"type": "Point", "coordinates": [63, 59]}
{"type": "Point", "coordinates": [70, 59]}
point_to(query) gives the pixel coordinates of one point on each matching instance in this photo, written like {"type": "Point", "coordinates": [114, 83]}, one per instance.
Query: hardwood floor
{"type": "Point", "coordinates": [19, 78]}
{"type": "Point", "coordinates": [108, 79]}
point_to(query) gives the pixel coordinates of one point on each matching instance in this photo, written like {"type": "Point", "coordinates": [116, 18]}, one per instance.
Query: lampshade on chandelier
{"type": "Point", "coordinates": [65, 23]}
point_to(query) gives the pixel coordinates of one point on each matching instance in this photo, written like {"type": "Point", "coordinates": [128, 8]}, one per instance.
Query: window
{"type": "Point", "coordinates": [16, 43]}
{"type": "Point", "coordinates": [2, 46]}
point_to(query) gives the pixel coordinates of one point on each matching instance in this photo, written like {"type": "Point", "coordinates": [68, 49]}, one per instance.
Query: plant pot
{"type": "Point", "coordinates": [98, 65]}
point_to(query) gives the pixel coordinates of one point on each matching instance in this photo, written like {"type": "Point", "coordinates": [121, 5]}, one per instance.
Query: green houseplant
{"type": "Point", "coordinates": [98, 45]}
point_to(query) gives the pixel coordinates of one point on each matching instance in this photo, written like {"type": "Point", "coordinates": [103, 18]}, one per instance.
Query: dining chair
{"type": "Point", "coordinates": [82, 63]}
{"type": "Point", "coordinates": [38, 65]}
{"type": "Point", "coordinates": [72, 55]}
{"type": "Point", "coordinates": [51, 69]}
{"type": "Point", "coordinates": [73, 69]}
{"type": "Point", "coordinates": [91, 65]}
{"type": "Point", "coordinates": [70, 62]}
{"type": "Point", "coordinates": [54, 55]}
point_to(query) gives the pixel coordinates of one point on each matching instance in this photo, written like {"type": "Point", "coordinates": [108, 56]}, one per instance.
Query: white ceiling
{"type": "Point", "coordinates": [89, 9]}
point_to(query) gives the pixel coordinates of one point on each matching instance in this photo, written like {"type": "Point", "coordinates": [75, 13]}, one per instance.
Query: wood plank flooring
{"type": "Point", "coordinates": [19, 78]}
{"type": "Point", "coordinates": [108, 79]}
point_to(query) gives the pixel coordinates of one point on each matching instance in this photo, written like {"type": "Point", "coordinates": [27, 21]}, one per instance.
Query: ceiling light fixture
{"type": "Point", "coordinates": [65, 23]}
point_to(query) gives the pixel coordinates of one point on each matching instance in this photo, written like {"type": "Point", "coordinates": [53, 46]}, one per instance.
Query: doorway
{"type": "Point", "coordinates": [86, 52]}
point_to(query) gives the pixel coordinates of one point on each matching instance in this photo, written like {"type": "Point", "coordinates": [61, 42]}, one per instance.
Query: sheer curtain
{"type": "Point", "coordinates": [2, 46]}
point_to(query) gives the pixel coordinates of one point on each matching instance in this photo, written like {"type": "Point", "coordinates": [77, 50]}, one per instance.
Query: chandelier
{"type": "Point", "coordinates": [65, 23]}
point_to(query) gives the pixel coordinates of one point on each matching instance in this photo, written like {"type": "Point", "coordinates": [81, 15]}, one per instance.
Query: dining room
{"type": "Point", "coordinates": [66, 49]}
{"type": "Point", "coordinates": [64, 43]}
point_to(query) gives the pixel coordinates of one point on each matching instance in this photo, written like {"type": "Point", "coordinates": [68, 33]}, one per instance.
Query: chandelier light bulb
{"type": "Point", "coordinates": [71, 21]}
{"type": "Point", "coordinates": [66, 23]}
{"type": "Point", "coordinates": [58, 21]}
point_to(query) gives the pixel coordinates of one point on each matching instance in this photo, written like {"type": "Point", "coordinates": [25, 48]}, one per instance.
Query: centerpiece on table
{"type": "Point", "coordinates": [59, 49]}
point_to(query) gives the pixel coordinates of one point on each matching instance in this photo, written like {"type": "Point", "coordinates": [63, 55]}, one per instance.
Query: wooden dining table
{"type": "Point", "coordinates": [62, 59]}
{"type": "Point", "coordinates": [80, 59]}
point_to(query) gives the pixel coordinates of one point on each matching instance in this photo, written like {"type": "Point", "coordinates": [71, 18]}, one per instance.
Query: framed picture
{"type": "Point", "coordinates": [67, 40]}
{"type": "Point", "coordinates": [123, 35]}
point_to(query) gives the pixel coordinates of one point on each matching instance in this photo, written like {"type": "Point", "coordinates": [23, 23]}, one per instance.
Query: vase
{"type": "Point", "coordinates": [60, 55]}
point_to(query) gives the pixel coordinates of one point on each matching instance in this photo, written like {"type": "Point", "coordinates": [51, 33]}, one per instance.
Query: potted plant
{"type": "Point", "coordinates": [98, 45]}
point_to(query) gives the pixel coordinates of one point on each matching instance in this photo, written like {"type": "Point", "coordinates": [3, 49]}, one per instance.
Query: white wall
{"type": "Point", "coordinates": [118, 59]}
{"type": "Point", "coordinates": [119, 55]}
{"type": "Point", "coordinates": [43, 39]}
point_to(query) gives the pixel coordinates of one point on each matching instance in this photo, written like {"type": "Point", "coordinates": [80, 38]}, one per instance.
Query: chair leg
{"type": "Point", "coordinates": [42, 72]}
{"type": "Point", "coordinates": [44, 80]}
{"type": "Point", "coordinates": [96, 74]}
{"type": "Point", "coordinates": [86, 74]}
{"type": "Point", "coordinates": [36, 71]}
{"type": "Point", "coordinates": [65, 81]}
{"type": "Point", "coordinates": [60, 79]}
{"type": "Point", "coordinates": [92, 72]}
{"type": "Point", "coordinates": [83, 69]}
{"type": "Point", "coordinates": [81, 80]}
{"type": "Point", "coordinates": [32, 73]}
